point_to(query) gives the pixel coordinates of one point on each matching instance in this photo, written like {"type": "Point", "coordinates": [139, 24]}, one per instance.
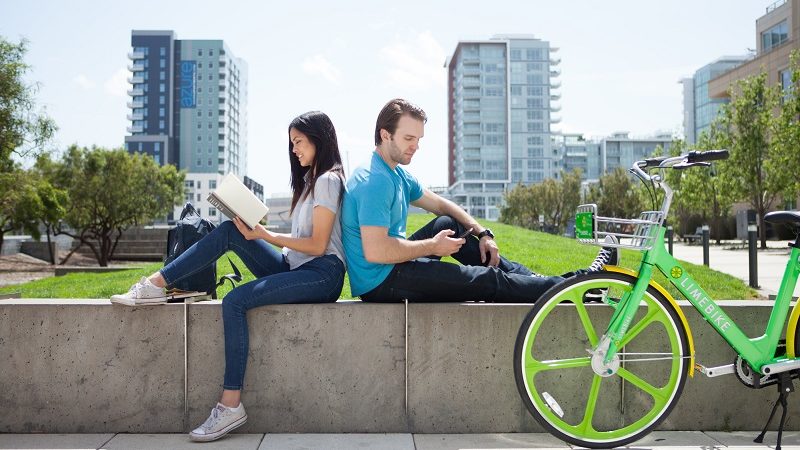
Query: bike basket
{"type": "Point", "coordinates": [637, 234]}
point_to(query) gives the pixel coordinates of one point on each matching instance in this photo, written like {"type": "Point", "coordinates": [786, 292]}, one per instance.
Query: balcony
{"type": "Point", "coordinates": [555, 119]}
{"type": "Point", "coordinates": [136, 79]}
{"type": "Point", "coordinates": [133, 56]}
{"type": "Point", "coordinates": [135, 104]}
{"type": "Point", "coordinates": [555, 108]}
{"type": "Point", "coordinates": [554, 96]}
{"type": "Point", "coordinates": [136, 67]}
{"type": "Point", "coordinates": [555, 72]}
{"type": "Point", "coordinates": [136, 92]}
{"type": "Point", "coordinates": [555, 61]}
{"type": "Point", "coordinates": [135, 129]}
{"type": "Point", "coordinates": [555, 84]}
{"type": "Point", "coordinates": [135, 116]}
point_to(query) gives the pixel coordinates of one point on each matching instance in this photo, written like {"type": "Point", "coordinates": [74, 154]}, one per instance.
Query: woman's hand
{"type": "Point", "coordinates": [259, 232]}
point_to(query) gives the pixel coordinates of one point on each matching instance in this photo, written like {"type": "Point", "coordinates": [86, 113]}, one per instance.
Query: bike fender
{"type": "Point", "coordinates": [668, 296]}
{"type": "Point", "coordinates": [791, 330]}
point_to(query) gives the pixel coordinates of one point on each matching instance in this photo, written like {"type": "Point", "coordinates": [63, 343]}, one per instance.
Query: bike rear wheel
{"type": "Point", "coordinates": [554, 373]}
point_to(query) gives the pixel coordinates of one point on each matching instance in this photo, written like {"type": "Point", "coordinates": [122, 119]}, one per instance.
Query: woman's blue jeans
{"type": "Point", "coordinates": [317, 281]}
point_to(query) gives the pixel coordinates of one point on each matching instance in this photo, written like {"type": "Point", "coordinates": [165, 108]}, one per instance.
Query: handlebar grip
{"type": "Point", "coordinates": [654, 162]}
{"type": "Point", "coordinates": [711, 155]}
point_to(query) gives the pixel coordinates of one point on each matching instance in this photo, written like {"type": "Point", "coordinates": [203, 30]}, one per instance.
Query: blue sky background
{"type": "Point", "coordinates": [620, 62]}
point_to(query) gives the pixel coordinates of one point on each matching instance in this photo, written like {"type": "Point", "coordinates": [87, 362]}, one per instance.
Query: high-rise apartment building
{"type": "Point", "coordinates": [188, 107]}
{"type": "Point", "coordinates": [699, 109]}
{"type": "Point", "coordinates": [501, 95]}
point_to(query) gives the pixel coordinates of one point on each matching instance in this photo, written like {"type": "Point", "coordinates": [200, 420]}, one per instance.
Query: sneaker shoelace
{"type": "Point", "coordinates": [213, 419]}
{"type": "Point", "coordinates": [602, 259]}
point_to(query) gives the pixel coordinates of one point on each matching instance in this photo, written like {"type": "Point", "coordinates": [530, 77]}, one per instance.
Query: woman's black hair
{"type": "Point", "coordinates": [317, 126]}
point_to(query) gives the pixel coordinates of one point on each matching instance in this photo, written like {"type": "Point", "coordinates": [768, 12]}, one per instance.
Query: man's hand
{"type": "Point", "coordinates": [444, 245]}
{"type": "Point", "coordinates": [259, 232]}
{"type": "Point", "coordinates": [488, 245]}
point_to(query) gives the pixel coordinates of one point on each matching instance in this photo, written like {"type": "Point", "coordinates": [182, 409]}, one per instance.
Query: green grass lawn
{"type": "Point", "coordinates": [541, 252]}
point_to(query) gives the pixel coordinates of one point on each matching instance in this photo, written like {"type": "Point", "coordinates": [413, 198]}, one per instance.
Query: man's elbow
{"type": "Point", "coordinates": [373, 255]}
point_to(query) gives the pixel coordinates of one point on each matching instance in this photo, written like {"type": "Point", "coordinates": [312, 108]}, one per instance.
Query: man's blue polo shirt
{"type": "Point", "coordinates": [378, 196]}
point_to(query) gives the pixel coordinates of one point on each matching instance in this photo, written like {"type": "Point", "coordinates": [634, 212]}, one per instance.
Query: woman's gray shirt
{"type": "Point", "coordinates": [327, 192]}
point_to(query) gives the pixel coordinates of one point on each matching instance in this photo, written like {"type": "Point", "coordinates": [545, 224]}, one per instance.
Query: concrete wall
{"type": "Point", "coordinates": [71, 366]}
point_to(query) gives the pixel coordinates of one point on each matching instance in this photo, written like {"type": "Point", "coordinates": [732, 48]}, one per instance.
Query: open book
{"type": "Point", "coordinates": [233, 199]}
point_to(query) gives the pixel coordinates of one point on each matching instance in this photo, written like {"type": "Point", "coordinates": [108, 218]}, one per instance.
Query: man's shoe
{"type": "Point", "coordinates": [607, 256]}
{"type": "Point", "coordinates": [142, 293]}
{"type": "Point", "coordinates": [222, 421]}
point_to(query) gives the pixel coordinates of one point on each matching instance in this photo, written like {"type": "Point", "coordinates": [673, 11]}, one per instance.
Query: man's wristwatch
{"type": "Point", "coordinates": [486, 232]}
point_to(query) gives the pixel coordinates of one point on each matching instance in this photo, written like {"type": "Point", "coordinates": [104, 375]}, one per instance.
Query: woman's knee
{"type": "Point", "coordinates": [234, 303]}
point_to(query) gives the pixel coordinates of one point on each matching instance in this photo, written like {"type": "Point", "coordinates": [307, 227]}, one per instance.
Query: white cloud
{"type": "Point", "coordinates": [319, 65]}
{"type": "Point", "coordinates": [415, 63]}
{"type": "Point", "coordinates": [83, 81]}
{"type": "Point", "coordinates": [117, 85]}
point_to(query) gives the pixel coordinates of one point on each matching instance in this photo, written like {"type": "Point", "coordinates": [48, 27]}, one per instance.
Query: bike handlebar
{"type": "Point", "coordinates": [710, 155]}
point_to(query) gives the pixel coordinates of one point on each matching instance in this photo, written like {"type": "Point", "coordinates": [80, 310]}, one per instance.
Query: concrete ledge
{"type": "Point", "coordinates": [64, 270]}
{"type": "Point", "coordinates": [87, 366]}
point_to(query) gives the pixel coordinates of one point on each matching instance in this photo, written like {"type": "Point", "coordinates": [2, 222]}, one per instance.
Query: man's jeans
{"type": "Point", "coordinates": [431, 280]}
{"type": "Point", "coordinates": [317, 281]}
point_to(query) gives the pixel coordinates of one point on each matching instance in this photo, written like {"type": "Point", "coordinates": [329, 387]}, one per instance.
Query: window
{"type": "Point", "coordinates": [199, 125]}
{"type": "Point", "coordinates": [199, 89]}
{"type": "Point", "coordinates": [209, 162]}
{"type": "Point", "coordinates": [535, 103]}
{"type": "Point", "coordinates": [210, 113]}
{"type": "Point", "coordinates": [188, 183]}
{"type": "Point", "coordinates": [211, 52]}
{"type": "Point", "coordinates": [198, 195]}
{"type": "Point", "coordinates": [774, 36]}
{"type": "Point", "coordinates": [199, 65]}
{"type": "Point", "coordinates": [199, 163]}
{"type": "Point", "coordinates": [199, 113]}
{"type": "Point", "coordinates": [212, 184]}
{"type": "Point", "coordinates": [209, 125]}
{"type": "Point", "coordinates": [162, 87]}
{"type": "Point", "coordinates": [210, 77]}
{"type": "Point", "coordinates": [161, 112]}
{"type": "Point", "coordinates": [200, 52]}
{"type": "Point", "coordinates": [162, 51]}
{"type": "Point", "coordinates": [199, 138]}
{"type": "Point", "coordinates": [161, 100]}
{"type": "Point", "coordinates": [162, 63]}
{"type": "Point", "coordinates": [516, 55]}
{"type": "Point", "coordinates": [161, 124]}
{"type": "Point", "coordinates": [516, 90]}
{"type": "Point", "coordinates": [534, 54]}
{"type": "Point", "coordinates": [212, 212]}
{"type": "Point", "coordinates": [211, 65]}
{"type": "Point", "coordinates": [156, 147]}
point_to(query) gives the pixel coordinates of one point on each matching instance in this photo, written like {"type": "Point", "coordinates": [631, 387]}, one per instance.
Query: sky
{"type": "Point", "coordinates": [621, 62]}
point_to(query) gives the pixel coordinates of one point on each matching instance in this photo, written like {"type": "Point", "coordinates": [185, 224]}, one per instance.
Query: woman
{"type": "Point", "coordinates": [310, 269]}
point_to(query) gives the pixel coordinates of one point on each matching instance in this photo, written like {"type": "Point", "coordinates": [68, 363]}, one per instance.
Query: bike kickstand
{"type": "Point", "coordinates": [785, 387]}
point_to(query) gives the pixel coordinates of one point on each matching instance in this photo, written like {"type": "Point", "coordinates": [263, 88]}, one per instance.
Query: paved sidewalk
{"type": "Point", "coordinates": [664, 440]}
{"type": "Point", "coordinates": [771, 263]}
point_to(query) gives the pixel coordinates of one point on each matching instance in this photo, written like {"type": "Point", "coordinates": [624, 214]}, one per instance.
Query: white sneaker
{"type": "Point", "coordinates": [142, 293]}
{"type": "Point", "coordinates": [607, 256]}
{"type": "Point", "coordinates": [222, 421]}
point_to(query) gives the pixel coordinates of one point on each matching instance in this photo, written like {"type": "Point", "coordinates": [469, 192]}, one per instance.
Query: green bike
{"type": "Point", "coordinates": [620, 365]}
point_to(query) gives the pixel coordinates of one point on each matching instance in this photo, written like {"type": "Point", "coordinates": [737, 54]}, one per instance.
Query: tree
{"type": "Point", "coordinates": [20, 204]}
{"type": "Point", "coordinates": [555, 200]}
{"type": "Point", "coordinates": [786, 129]}
{"type": "Point", "coordinates": [616, 196]}
{"type": "Point", "coordinates": [519, 207]}
{"type": "Point", "coordinates": [23, 130]}
{"type": "Point", "coordinates": [755, 170]}
{"type": "Point", "coordinates": [111, 190]}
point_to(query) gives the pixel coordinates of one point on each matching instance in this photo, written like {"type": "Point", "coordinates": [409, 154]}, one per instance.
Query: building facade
{"type": "Point", "coordinates": [777, 35]}
{"type": "Point", "coordinates": [700, 109]}
{"type": "Point", "coordinates": [188, 107]}
{"type": "Point", "coordinates": [501, 96]}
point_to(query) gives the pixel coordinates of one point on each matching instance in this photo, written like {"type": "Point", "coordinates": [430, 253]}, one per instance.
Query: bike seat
{"type": "Point", "coordinates": [783, 217]}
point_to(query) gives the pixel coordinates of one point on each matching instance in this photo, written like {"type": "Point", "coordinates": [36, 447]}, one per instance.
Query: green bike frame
{"type": "Point", "coordinates": [756, 351]}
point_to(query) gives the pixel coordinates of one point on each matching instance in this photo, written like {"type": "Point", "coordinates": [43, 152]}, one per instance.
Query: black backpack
{"type": "Point", "coordinates": [190, 229]}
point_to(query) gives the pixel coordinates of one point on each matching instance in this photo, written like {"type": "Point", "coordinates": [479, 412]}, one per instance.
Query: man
{"type": "Point", "coordinates": [384, 266]}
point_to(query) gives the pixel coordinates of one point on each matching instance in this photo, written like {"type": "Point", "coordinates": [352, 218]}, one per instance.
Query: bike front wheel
{"type": "Point", "coordinates": [606, 405]}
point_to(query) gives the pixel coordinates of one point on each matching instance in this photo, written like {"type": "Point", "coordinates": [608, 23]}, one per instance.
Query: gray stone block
{"type": "Point", "coordinates": [460, 376]}
{"type": "Point", "coordinates": [182, 442]}
{"type": "Point", "coordinates": [86, 366]}
{"type": "Point", "coordinates": [337, 441]}
{"type": "Point", "coordinates": [49, 441]}
{"type": "Point", "coordinates": [487, 441]}
{"type": "Point", "coordinates": [311, 368]}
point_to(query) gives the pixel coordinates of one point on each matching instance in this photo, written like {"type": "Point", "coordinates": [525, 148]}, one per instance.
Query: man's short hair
{"type": "Point", "coordinates": [391, 113]}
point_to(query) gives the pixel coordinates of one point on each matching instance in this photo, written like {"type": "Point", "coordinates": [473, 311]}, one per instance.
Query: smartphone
{"type": "Point", "coordinates": [465, 234]}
